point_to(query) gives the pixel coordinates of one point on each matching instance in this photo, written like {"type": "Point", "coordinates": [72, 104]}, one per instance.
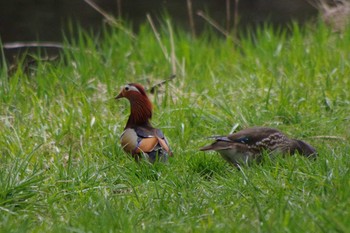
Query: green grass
{"type": "Point", "coordinates": [62, 168]}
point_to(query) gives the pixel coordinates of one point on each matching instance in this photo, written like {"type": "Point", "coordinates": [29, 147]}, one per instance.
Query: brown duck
{"type": "Point", "coordinates": [140, 138]}
{"type": "Point", "coordinates": [249, 144]}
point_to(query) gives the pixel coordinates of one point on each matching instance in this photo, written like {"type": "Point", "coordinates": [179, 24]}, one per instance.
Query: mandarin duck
{"type": "Point", "coordinates": [139, 138]}
{"type": "Point", "coordinates": [249, 144]}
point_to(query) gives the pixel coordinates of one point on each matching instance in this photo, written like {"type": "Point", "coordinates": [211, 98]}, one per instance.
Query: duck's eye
{"type": "Point", "coordinates": [128, 88]}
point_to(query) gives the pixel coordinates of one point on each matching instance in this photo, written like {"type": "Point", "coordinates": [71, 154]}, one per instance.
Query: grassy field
{"type": "Point", "coordinates": [62, 168]}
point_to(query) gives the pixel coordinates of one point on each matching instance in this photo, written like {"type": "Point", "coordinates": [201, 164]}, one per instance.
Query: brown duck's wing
{"type": "Point", "coordinates": [145, 131]}
{"type": "Point", "coordinates": [146, 145]}
{"type": "Point", "coordinates": [251, 136]}
{"type": "Point", "coordinates": [149, 138]}
{"type": "Point", "coordinates": [135, 140]}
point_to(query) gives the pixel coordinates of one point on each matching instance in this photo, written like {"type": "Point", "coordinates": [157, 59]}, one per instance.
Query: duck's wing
{"type": "Point", "coordinates": [254, 135]}
{"type": "Point", "coordinates": [144, 139]}
{"type": "Point", "coordinates": [254, 138]}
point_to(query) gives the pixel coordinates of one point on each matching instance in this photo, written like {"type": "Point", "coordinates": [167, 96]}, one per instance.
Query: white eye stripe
{"type": "Point", "coordinates": [131, 88]}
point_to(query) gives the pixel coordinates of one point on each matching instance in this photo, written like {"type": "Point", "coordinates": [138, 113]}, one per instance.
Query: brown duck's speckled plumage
{"type": "Point", "coordinates": [249, 144]}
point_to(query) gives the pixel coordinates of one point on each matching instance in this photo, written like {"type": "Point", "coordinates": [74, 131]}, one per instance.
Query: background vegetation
{"type": "Point", "coordinates": [62, 168]}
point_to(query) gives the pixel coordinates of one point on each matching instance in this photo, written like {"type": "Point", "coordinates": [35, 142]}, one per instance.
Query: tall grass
{"type": "Point", "coordinates": [62, 168]}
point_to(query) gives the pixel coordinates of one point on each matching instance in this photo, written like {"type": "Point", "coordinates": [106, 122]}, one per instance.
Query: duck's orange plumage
{"type": "Point", "coordinates": [139, 137]}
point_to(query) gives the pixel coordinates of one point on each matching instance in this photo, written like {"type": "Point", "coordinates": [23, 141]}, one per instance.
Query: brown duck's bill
{"type": "Point", "coordinates": [120, 95]}
{"type": "Point", "coordinates": [216, 146]}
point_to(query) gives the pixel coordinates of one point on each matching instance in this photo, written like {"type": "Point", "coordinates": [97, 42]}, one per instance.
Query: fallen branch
{"type": "Point", "coordinates": [153, 88]}
{"type": "Point", "coordinates": [329, 137]}
{"type": "Point", "coordinates": [213, 23]}
{"type": "Point", "coordinates": [156, 34]}
{"type": "Point", "coordinates": [190, 17]}
{"type": "Point", "coordinates": [172, 49]}
{"type": "Point", "coordinates": [218, 27]}
{"type": "Point", "coordinates": [110, 19]}
{"type": "Point", "coordinates": [17, 45]}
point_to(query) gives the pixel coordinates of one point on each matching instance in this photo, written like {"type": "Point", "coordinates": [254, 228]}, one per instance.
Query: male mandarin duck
{"type": "Point", "coordinates": [249, 144]}
{"type": "Point", "coordinates": [139, 138]}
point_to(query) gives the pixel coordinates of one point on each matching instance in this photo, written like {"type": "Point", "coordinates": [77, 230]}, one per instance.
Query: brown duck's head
{"type": "Point", "coordinates": [141, 106]}
{"type": "Point", "coordinates": [132, 91]}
